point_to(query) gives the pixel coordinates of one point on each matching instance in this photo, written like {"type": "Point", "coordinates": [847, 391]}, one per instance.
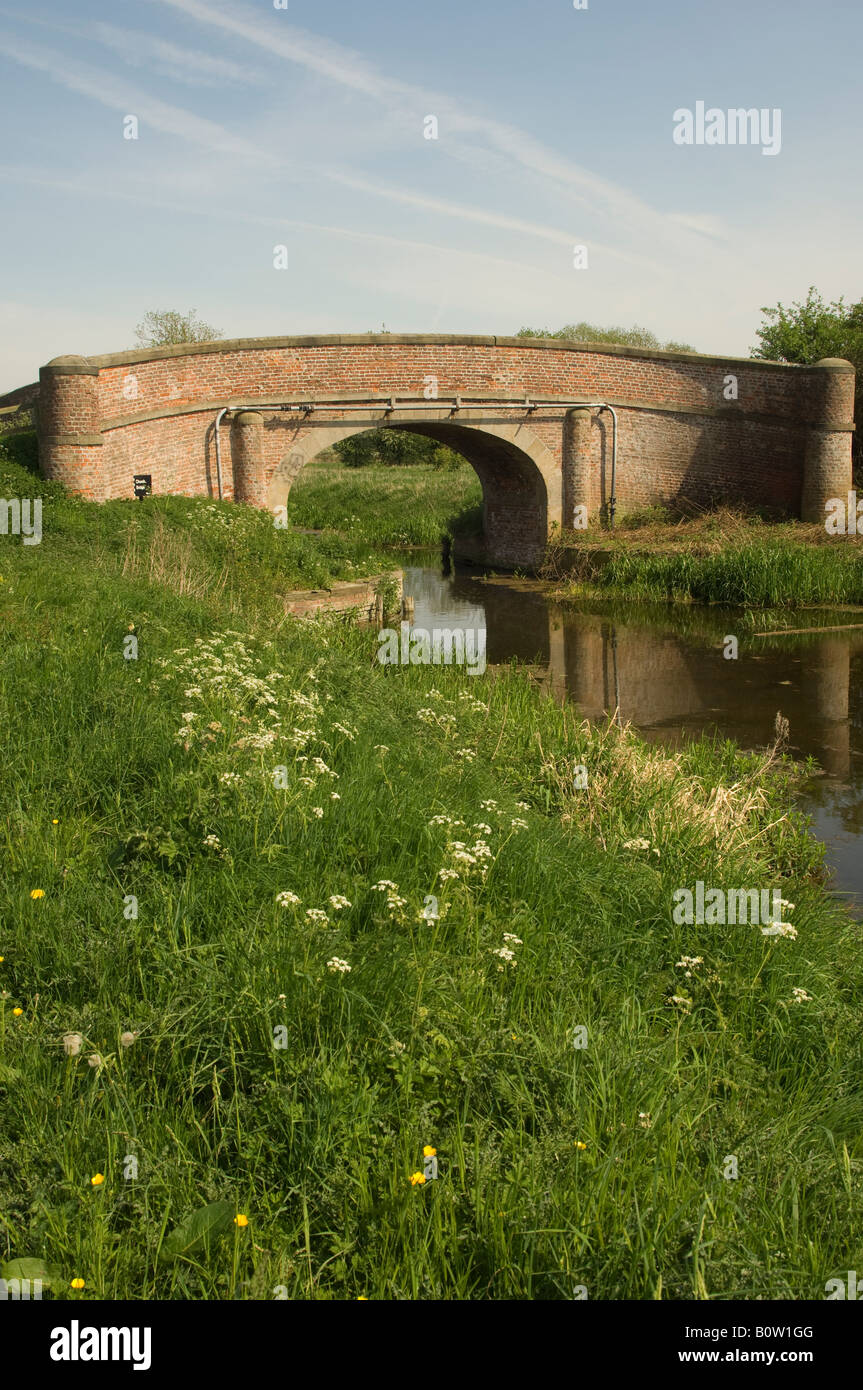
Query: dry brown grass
{"type": "Point", "coordinates": [169, 560]}
{"type": "Point", "coordinates": [702, 533]}
{"type": "Point", "coordinates": [724, 817]}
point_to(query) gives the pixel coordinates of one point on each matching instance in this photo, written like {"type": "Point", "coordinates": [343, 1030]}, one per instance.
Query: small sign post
{"type": "Point", "coordinates": [143, 485]}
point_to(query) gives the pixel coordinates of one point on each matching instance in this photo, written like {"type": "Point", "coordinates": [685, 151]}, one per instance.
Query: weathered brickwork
{"type": "Point", "coordinates": [784, 441]}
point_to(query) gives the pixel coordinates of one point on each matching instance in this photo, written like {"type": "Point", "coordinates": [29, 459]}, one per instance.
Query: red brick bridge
{"type": "Point", "coordinates": [558, 432]}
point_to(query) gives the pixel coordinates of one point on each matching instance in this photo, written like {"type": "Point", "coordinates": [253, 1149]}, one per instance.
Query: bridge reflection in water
{"type": "Point", "coordinates": [663, 670]}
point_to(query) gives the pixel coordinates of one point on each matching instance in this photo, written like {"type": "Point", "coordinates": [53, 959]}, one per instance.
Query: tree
{"type": "Point", "coordinates": [810, 330]}
{"type": "Point", "coordinates": [590, 333]}
{"type": "Point", "coordinates": [396, 447]}
{"type": "Point", "coordinates": [162, 327]}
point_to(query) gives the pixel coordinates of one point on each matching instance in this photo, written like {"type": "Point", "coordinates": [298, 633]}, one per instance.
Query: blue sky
{"type": "Point", "coordinates": [304, 127]}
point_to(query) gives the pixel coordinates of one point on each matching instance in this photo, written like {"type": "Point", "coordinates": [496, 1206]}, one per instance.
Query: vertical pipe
{"type": "Point", "coordinates": [219, 452]}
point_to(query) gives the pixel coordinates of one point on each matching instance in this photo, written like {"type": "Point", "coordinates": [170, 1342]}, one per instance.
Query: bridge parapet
{"type": "Point", "coordinates": [705, 428]}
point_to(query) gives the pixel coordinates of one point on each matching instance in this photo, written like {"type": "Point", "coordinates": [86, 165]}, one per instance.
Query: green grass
{"type": "Point", "coordinates": [232, 558]}
{"type": "Point", "coordinates": [770, 574]}
{"type": "Point", "coordinates": [559, 1166]}
{"type": "Point", "coordinates": [386, 505]}
{"type": "Point", "coordinates": [720, 557]}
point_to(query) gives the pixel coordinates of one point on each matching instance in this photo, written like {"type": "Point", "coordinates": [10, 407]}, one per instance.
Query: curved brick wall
{"type": "Point", "coordinates": [785, 440]}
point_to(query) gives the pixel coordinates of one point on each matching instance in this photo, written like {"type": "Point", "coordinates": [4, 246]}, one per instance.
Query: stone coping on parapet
{"type": "Point", "coordinates": [72, 364]}
{"type": "Point", "coordinates": [467, 412]}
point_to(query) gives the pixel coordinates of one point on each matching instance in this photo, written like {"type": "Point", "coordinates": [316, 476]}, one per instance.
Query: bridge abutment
{"type": "Point", "coordinates": [68, 424]}
{"type": "Point", "coordinates": [827, 464]}
{"type": "Point", "coordinates": [577, 489]}
{"type": "Point", "coordinates": [247, 456]}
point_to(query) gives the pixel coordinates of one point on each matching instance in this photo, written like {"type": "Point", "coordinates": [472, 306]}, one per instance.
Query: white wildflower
{"type": "Point", "coordinates": [338, 967]}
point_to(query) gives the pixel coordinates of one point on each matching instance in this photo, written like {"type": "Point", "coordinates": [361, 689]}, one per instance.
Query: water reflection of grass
{"type": "Point", "coordinates": [711, 623]}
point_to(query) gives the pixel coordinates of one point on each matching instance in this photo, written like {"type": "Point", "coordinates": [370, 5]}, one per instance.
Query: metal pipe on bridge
{"type": "Point", "coordinates": [389, 403]}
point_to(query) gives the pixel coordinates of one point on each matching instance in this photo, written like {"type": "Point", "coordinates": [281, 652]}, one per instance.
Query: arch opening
{"type": "Point", "coordinates": [518, 474]}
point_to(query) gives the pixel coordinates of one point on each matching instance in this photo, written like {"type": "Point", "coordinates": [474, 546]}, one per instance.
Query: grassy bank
{"type": "Point", "coordinates": [385, 505]}
{"type": "Point", "coordinates": [280, 1030]}
{"type": "Point", "coordinates": [215, 551]}
{"type": "Point", "coordinates": [721, 557]}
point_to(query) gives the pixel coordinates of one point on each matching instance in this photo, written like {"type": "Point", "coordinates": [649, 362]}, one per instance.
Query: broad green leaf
{"type": "Point", "coordinates": [30, 1268]}
{"type": "Point", "coordinates": [197, 1229]}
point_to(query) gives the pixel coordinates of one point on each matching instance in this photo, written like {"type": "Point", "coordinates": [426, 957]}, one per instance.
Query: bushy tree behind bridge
{"type": "Point", "coordinates": [811, 329]}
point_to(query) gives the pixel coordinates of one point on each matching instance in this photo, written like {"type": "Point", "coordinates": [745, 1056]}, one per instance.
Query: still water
{"type": "Point", "coordinates": [663, 668]}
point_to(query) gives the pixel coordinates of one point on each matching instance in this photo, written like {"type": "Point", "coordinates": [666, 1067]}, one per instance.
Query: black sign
{"type": "Point", "coordinates": [143, 485]}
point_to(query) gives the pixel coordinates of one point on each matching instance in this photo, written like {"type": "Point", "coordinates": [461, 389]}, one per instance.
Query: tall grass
{"type": "Point", "coordinates": [724, 558]}
{"type": "Point", "coordinates": [762, 574]}
{"type": "Point", "coordinates": [192, 777]}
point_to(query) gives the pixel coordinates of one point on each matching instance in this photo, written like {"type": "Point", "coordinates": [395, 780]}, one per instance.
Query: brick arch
{"type": "Point", "coordinates": [519, 475]}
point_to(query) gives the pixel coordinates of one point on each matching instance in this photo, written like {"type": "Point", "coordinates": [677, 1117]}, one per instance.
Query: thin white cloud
{"type": "Point", "coordinates": [703, 222]}
{"type": "Point", "coordinates": [171, 60]}
{"type": "Point", "coordinates": [349, 69]}
{"type": "Point", "coordinates": [110, 91]}
{"type": "Point", "coordinates": [482, 215]}
{"type": "Point", "coordinates": [218, 213]}
{"type": "Point", "coordinates": [120, 96]}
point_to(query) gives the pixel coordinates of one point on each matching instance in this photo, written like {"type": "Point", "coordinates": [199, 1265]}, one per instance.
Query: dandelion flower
{"type": "Point", "coordinates": [417, 1179]}
{"type": "Point", "coordinates": [580, 1145]}
{"type": "Point", "coordinates": [241, 1220]}
{"type": "Point", "coordinates": [17, 1012]}
{"type": "Point", "coordinates": [97, 1179]}
{"type": "Point", "coordinates": [428, 1151]}
{"type": "Point", "coordinates": [37, 892]}
{"type": "Point", "coordinates": [55, 821]}
{"type": "Point", "coordinates": [76, 1284]}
